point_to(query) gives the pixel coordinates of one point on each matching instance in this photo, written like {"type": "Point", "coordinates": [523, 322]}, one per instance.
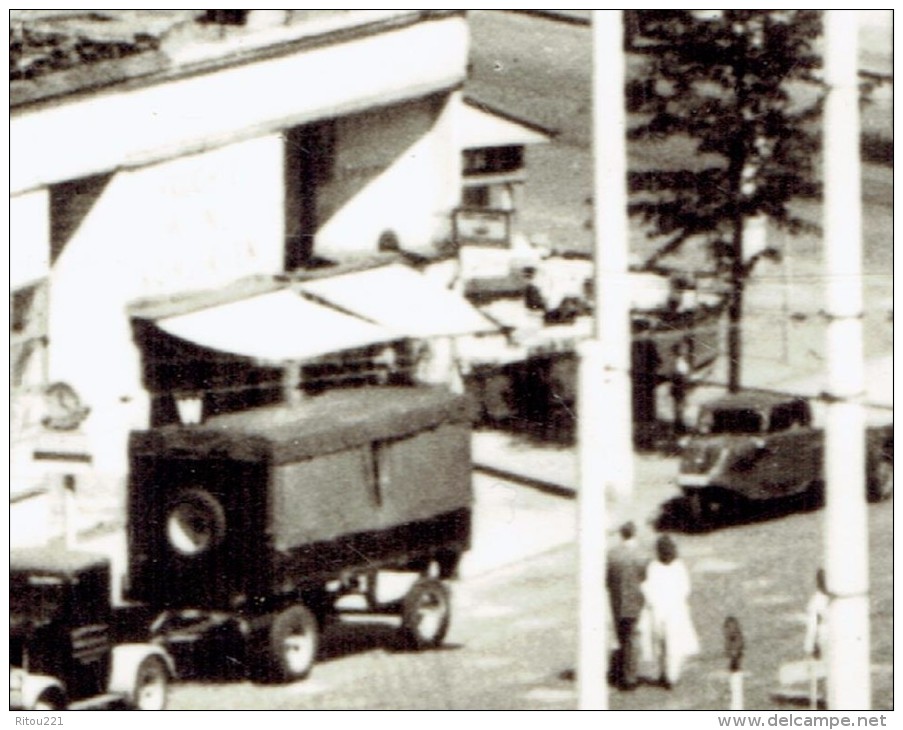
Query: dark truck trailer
{"type": "Point", "coordinates": [267, 517]}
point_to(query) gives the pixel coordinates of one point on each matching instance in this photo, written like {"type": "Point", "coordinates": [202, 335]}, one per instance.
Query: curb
{"type": "Point", "coordinates": [540, 485]}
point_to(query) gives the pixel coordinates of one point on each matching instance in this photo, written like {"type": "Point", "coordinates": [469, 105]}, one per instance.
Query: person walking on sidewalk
{"type": "Point", "coordinates": [668, 634]}
{"type": "Point", "coordinates": [624, 576]}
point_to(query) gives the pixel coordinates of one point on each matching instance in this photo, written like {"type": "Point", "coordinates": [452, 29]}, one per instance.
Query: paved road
{"type": "Point", "coordinates": [512, 639]}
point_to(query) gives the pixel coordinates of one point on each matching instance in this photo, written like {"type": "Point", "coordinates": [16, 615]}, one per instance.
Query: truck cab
{"type": "Point", "coordinates": [62, 652]}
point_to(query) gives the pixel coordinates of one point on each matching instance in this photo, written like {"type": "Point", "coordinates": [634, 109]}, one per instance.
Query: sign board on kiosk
{"type": "Point", "coordinates": [483, 239]}
{"type": "Point", "coordinates": [487, 227]}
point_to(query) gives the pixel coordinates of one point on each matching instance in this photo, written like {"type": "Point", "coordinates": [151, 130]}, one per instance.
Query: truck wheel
{"type": "Point", "coordinates": [882, 481]}
{"type": "Point", "coordinates": [425, 614]}
{"type": "Point", "coordinates": [50, 700]}
{"type": "Point", "coordinates": [151, 685]}
{"type": "Point", "coordinates": [293, 643]}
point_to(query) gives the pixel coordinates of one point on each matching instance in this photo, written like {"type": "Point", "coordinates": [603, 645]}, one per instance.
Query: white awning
{"type": "Point", "coordinates": [314, 318]}
{"type": "Point", "coordinates": [274, 327]}
{"type": "Point", "coordinates": [478, 128]}
{"type": "Point", "coordinates": [402, 300]}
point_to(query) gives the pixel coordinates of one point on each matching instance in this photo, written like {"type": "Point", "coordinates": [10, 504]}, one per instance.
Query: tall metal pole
{"type": "Point", "coordinates": [846, 528]}
{"type": "Point", "coordinates": [605, 417]}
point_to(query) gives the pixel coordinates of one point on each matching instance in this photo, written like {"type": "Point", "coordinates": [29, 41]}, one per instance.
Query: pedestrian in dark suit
{"type": "Point", "coordinates": [624, 575]}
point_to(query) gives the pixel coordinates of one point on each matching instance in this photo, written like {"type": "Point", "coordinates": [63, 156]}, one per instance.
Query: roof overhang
{"type": "Point", "coordinates": [483, 127]}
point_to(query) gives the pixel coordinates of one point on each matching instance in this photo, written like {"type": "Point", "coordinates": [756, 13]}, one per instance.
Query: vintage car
{"type": "Point", "coordinates": [760, 446]}
{"type": "Point", "coordinates": [266, 520]}
{"type": "Point", "coordinates": [62, 652]}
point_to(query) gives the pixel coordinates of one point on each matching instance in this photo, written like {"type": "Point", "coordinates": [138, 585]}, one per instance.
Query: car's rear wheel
{"type": "Point", "coordinates": [151, 684]}
{"type": "Point", "coordinates": [882, 481]}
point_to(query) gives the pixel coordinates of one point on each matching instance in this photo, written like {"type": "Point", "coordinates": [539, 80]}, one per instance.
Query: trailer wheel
{"type": "Point", "coordinates": [425, 614]}
{"type": "Point", "coordinates": [151, 685]}
{"type": "Point", "coordinates": [293, 643]}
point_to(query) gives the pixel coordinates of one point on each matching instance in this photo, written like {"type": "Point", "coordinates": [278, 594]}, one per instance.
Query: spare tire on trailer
{"type": "Point", "coordinates": [195, 522]}
{"type": "Point", "coordinates": [425, 614]}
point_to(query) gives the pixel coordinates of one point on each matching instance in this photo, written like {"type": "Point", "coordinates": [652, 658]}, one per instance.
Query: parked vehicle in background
{"type": "Point", "coordinates": [755, 447]}
{"type": "Point", "coordinates": [62, 652]}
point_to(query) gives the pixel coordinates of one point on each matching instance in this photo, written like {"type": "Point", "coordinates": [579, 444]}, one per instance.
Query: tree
{"type": "Point", "coordinates": [726, 82]}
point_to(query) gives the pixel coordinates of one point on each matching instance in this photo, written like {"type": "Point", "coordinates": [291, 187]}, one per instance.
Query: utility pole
{"type": "Point", "coordinates": [846, 527]}
{"type": "Point", "coordinates": [605, 429]}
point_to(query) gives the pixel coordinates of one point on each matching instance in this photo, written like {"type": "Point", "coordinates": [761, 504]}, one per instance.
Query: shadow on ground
{"type": "Point", "coordinates": [675, 514]}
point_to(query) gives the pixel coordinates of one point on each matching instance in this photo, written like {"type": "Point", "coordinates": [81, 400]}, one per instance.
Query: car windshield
{"type": "Point", "coordinates": [733, 420]}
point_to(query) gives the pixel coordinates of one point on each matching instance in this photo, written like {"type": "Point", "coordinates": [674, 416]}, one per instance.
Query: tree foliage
{"type": "Point", "coordinates": [731, 83]}
{"type": "Point", "coordinates": [725, 81]}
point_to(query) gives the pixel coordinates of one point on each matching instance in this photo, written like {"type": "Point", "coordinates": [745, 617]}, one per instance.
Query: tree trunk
{"type": "Point", "coordinates": [735, 309]}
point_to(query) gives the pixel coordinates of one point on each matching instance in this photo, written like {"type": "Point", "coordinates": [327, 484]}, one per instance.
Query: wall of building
{"type": "Point", "coordinates": [247, 98]}
{"type": "Point", "coordinates": [29, 235]}
{"type": "Point", "coordinates": [396, 169]}
{"type": "Point", "coordinates": [168, 187]}
{"type": "Point", "coordinates": [191, 223]}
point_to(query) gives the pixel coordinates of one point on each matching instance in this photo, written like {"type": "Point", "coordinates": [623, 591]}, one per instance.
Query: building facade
{"type": "Point", "coordinates": [221, 152]}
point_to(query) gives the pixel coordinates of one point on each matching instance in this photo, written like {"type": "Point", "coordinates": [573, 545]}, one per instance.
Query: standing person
{"type": "Point", "coordinates": [816, 619]}
{"type": "Point", "coordinates": [624, 577]}
{"type": "Point", "coordinates": [680, 384]}
{"type": "Point", "coordinates": [816, 636]}
{"type": "Point", "coordinates": [670, 637]}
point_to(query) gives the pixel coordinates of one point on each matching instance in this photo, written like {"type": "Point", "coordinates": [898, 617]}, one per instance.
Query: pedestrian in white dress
{"type": "Point", "coordinates": [667, 627]}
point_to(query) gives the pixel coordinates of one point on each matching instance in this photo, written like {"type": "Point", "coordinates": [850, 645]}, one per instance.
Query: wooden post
{"type": "Point", "coordinates": [737, 691]}
{"type": "Point", "coordinates": [734, 648]}
{"type": "Point", "coordinates": [605, 431]}
{"type": "Point", "coordinates": [846, 527]}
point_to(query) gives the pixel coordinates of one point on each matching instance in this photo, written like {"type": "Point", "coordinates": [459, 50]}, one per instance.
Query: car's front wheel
{"type": "Point", "coordinates": [50, 700]}
{"type": "Point", "coordinates": [881, 485]}
{"type": "Point", "coordinates": [700, 510]}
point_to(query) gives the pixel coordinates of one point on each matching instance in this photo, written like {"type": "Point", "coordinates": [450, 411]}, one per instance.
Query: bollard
{"type": "Point", "coordinates": [733, 647]}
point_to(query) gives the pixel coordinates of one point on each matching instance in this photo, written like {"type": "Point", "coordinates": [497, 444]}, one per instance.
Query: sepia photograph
{"type": "Point", "coordinates": [430, 360]}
